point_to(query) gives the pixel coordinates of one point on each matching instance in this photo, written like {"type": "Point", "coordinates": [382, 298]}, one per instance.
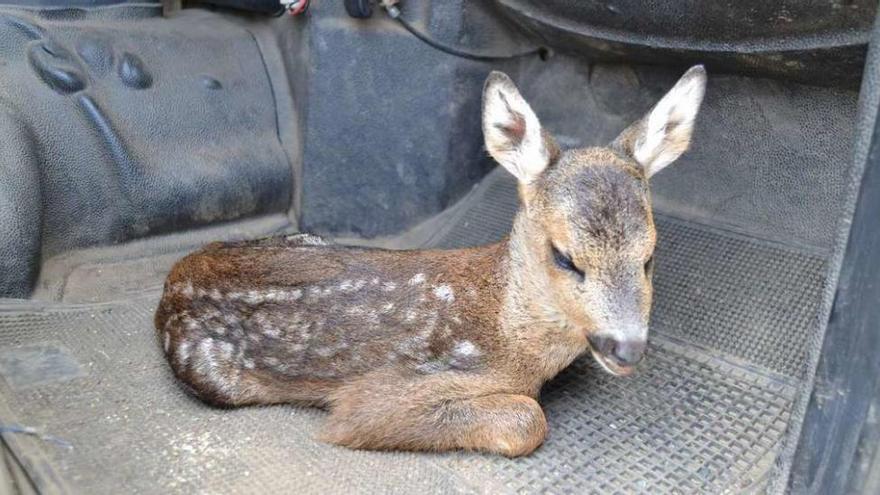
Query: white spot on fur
{"type": "Point", "coordinates": [375, 281]}
{"type": "Point", "coordinates": [389, 286]}
{"type": "Point", "coordinates": [167, 344]}
{"type": "Point", "coordinates": [187, 290]}
{"type": "Point", "coordinates": [465, 348]}
{"type": "Point", "coordinates": [183, 352]}
{"type": "Point", "coordinates": [206, 362]}
{"type": "Point", "coordinates": [387, 307]}
{"type": "Point", "coordinates": [417, 279]}
{"type": "Point", "coordinates": [346, 285]}
{"type": "Point", "coordinates": [248, 364]}
{"type": "Point", "coordinates": [444, 293]}
{"type": "Point", "coordinates": [465, 355]}
{"type": "Point", "coordinates": [271, 331]}
{"type": "Point", "coordinates": [226, 349]}
{"type": "Point", "coordinates": [219, 330]}
{"type": "Point", "coordinates": [253, 297]}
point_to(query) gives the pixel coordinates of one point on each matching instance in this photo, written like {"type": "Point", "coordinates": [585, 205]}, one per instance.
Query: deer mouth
{"type": "Point", "coordinates": [610, 366]}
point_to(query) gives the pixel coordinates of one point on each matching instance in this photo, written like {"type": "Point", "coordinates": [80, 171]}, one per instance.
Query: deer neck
{"type": "Point", "coordinates": [530, 318]}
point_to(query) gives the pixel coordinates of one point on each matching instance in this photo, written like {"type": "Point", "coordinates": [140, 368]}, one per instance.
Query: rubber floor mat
{"type": "Point", "coordinates": [704, 415]}
{"type": "Point", "coordinates": [685, 422]}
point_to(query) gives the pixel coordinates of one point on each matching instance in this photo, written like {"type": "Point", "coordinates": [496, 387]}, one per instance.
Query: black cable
{"type": "Point", "coordinates": [394, 13]}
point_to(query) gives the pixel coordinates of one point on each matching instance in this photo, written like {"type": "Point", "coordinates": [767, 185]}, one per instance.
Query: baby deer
{"type": "Point", "coordinates": [441, 349]}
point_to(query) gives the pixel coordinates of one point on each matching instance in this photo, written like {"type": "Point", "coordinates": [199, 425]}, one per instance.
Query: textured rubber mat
{"type": "Point", "coordinates": [685, 423]}
{"type": "Point", "coordinates": [752, 300]}
{"type": "Point", "coordinates": [128, 424]}
{"type": "Point", "coordinates": [704, 415]}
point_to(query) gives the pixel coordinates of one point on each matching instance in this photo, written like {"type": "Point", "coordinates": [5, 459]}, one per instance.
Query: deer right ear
{"type": "Point", "coordinates": [512, 132]}
{"type": "Point", "coordinates": [665, 133]}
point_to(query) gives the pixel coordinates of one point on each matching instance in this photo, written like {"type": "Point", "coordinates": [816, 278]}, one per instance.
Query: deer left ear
{"type": "Point", "coordinates": [665, 133]}
{"type": "Point", "coordinates": [512, 132]}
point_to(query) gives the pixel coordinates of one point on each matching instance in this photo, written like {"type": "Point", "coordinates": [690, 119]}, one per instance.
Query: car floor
{"type": "Point", "coordinates": [706, 412]}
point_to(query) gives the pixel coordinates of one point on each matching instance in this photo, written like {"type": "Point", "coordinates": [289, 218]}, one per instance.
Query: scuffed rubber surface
{"type": "Point", "coordinates": [705, 414]}
{"type": "Point", "coordinates": [684, 422]}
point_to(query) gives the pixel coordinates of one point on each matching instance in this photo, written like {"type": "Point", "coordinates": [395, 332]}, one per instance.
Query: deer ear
{"type": "Point", "coordinates": [512, 132]}
{"type": "Point", "coordinates": [665, 133]}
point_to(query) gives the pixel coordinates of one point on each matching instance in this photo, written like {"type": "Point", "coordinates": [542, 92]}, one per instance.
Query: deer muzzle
{"type": "Point", "coordinates": [618, 356]}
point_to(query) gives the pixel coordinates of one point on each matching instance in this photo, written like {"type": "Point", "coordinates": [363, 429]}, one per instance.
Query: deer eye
{"type": "Point", "coordinates": [564, 262]}
{"type": "Point", "coordinates": [649, 265]}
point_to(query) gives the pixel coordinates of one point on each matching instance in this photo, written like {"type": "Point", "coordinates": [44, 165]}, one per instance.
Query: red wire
{"type": "Point", "coordinates": [300, 7]}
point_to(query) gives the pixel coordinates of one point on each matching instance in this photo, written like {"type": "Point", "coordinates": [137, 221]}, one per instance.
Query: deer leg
{"type": "Point", "coordinates": [439, 417]}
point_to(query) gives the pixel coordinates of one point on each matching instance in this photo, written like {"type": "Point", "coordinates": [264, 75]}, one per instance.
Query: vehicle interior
{"type": "Point", "coordinates": [132, 132]}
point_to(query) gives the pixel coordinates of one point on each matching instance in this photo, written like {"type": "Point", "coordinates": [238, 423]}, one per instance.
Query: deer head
{"type": "Point", "coordinates": [583, 241]}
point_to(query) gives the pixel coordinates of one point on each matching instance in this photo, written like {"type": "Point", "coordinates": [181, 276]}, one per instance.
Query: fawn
{"type": "Point", "coordinates": [441, 349]}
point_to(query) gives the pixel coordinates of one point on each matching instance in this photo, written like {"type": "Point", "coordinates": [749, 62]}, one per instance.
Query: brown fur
{"type": "Point", "coordinates": [431, 349]}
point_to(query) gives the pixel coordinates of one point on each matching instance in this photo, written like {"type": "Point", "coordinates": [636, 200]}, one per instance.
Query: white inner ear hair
{"type": "Point", "coordinates": [667, 131]}
{"type": "Point", "coordinates": [514, 136]}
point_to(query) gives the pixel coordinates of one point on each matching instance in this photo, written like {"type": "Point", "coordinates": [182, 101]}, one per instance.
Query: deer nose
{"type": "Point", "coordinates": [629, 352]}
{"type": "Point", "coordinates": [622, 352]}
